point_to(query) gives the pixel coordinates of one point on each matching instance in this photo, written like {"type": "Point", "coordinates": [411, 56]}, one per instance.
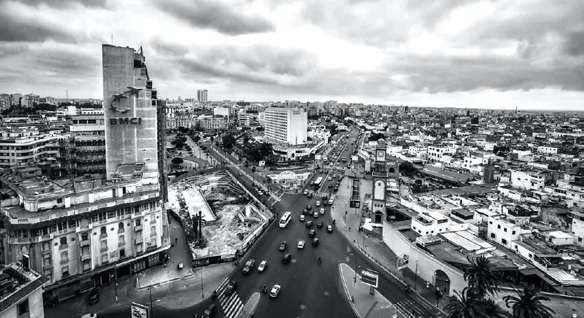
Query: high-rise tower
{"type": "Point", "coordinates": [130, 107]}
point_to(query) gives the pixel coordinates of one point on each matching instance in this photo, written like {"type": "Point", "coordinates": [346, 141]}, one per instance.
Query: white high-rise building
{"type": "Point", "coordinates": [286, 125]}
{"type": "Point", "coordinates": [202, 95]}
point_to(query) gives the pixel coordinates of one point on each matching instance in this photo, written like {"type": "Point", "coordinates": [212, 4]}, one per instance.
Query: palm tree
{"type": "Point", "coordinates": [480, 279]}
{"type": "Point", "coordinates": [468, 305]}
{"type": "Point", "coordinates": [528, 304]}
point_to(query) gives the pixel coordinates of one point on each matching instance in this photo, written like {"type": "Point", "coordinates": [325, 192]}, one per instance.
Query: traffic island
{"type": "Point", "coordinates": [364, 303]}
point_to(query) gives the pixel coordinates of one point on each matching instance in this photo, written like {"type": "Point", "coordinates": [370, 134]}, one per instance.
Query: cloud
{"type": "Point", "coordinates": [210, 14]}
{"type": "Point", "coordinates": [14, 29]}
{"type": "Point", "coordinates": [574, 44]}
{"type": "Point", "coordinates": [253, 64]}
{"type": "Point", "coordinates": [63, 3]}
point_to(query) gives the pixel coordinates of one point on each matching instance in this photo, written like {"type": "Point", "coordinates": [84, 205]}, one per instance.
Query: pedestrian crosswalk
{"type": "Point", "coordinates": [409, 308]}
{"type": "Point", "coordinates": [232, 304]}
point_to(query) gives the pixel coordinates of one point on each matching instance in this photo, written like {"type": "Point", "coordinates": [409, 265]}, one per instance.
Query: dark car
{"type": "Point", "coordinates": [283, 246]}
{"type": "Point", "coordinates": [319, 225]}
{"type": "Point", "coordinates": [309, 207]}
{"type": "Point", "coordinates": [315, 241]}
{"type": "Point", "coordinates": [309, 224]}
{"type": "Point", "coordinates": [231, 287]}
{"type": "Point", "coordinates": [210, 312]}
{"type": "Point", "coordinates": [286, 258]}
{"type": "Point", "coordinates": [312, 233]}
{"type": "Point", "coordinates": [93, 297]}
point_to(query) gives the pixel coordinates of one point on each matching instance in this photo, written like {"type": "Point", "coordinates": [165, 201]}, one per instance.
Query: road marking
{"type": "Point", "coordinates": [231, 305]}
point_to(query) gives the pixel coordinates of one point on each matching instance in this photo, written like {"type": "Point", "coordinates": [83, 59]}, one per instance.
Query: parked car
{"type": "Point", "coordinates": [329, 228]}
{"type": "Point", "coordinates": [93, 297]}
{"type": "Point", "coordinates": [275, 291]}
{"type": "Point", "coordinates": [321, 211]}
{"type": "Point", "coordinates": [315, 215]}
{"type": "Point", "coordinates": [180, 266]}
{"type": "Point", "coordinates": [300, 244]}
{"type": "Point", "coordinates": [302, 218]}
{"type": "Point", "coordinates": [317, 203]}
{"type": "Point", "coordinates": [263, 265]}
{"type": "Point", "coordinates": [309, 224]}
{"type": "Point", "coordinates": [319, 225]}
{"type": "Point", "coordinates": [309, 207]}
{"type": "Point", "coordinates": [283, 246]}
{"type": "Point", "coordinates": [89, 315]}
{"type": "Point", "coordinates": [312, 233]}
{"type": "Point", "coordinates": [315, 241]}
{"type": "Point", "coordinates": [231, 287]}
{"type": "Point", "coordinates": [211, 311]}
{"type": "Point", "coordinates": [287, 258]}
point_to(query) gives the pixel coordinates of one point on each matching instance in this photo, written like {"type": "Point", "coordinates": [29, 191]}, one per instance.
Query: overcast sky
{"type": "Point", "coordinates": [495, 54]}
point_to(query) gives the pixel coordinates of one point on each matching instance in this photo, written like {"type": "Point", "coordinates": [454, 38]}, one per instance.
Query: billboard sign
{"type": "Point", "coordinates": [370, 277]}
{"type": "Point", "coordinates": [139, 311]}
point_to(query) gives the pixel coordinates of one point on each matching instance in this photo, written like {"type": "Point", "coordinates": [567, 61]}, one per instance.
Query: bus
{"type": "Point", "coordinates": [317, 182]}
{"type": "Point", "coordinates": [285, 219]}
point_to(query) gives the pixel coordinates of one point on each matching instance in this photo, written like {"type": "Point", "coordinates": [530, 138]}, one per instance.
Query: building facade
{"type": "Point", "coordinates": [286, 125]}
{"type": "Point", "coordinates": [130, 107]}
{"type": "Point", "coordinates": [21, 292]}
{"type": "Point", "coordinates": [88, 137]}
{"type": "Point", "coordinates": [202, 95]}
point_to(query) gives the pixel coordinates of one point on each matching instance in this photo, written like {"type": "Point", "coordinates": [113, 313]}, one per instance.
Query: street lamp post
{"type": "Point", "coordinates": [151, 308]}
{"type": "Point", "coordinates": [202, 289]}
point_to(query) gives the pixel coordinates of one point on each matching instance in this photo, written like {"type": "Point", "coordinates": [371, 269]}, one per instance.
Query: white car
{"type": "Point", "coordinates": [321, 211]}
{"type": "Point", "coordinates": [302, 218]}
{"type": "Point", "coordinates": [262, 266]}
{"type": "Point", "coordinates": [300, 245]}
{"type": "Point", "coordinates": [275, 291]}
{"type": "Point", "coordinates": [317, 203]}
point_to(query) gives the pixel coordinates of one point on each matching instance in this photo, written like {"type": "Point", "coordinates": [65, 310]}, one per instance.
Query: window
{"type": "Point", "coordinates": [104, 258]}
{"type": "Point", "coordinates": [498, 226]}
{"type": "Point", "coordinates": [65, 271]}
{"type": "Point", "coordinates": [63, 241]}
{"type": "Point", "coordinates": [513, 232]}
{"type": "Point", "coordinates": [504, 241]}
{"type": "Point", "coordinates": [492, 235]}
{"type": "Point", "coordinates": [122, 253]}
{"type": "Point", "coordinates": [64, 257]}
{"type": "Point", "coordinates": [22, 308]}
{"type": "Point", "coordinates": [505, 229]}
{"type": "Point", "coordinates": [120, 227]}
{"type": "Point", "coordinates": [103, 244]}
{"type": "Point", "coordinates": [84, 236]}
{"type": "Point", "coordinates": [138, 222]}
{"type": "Point", "coordinates": [103, 231]}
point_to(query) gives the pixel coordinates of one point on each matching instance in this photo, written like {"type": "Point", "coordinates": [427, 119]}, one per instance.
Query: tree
{"type": "Point", "coordinates": [528, 304]}
{"type": "Point", "coordinates": [468, 305]}
{"type": "Point", "coordinates": [407, 168]}
{"type": "Point", "coordinates": [479, 277]}
{"type": "Point", "coordinates": [196, 138]}
{"type": "Point", "coordinates": [228, 141]}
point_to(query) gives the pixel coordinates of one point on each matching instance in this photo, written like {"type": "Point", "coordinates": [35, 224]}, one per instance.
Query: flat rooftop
{"type": "Point", "coordinates": [17, 283]}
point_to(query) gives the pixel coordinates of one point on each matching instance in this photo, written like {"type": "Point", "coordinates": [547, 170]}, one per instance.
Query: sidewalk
{"type": "Point", "coordinates": [358, 295]}
{"type": "Point", "coordinates": [250, 306]}
{"type": "Point", "coordinates": [374, 248]}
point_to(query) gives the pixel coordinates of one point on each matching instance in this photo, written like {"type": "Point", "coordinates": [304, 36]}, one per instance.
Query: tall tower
{"type": "Point", "coordinates": [130, 107]}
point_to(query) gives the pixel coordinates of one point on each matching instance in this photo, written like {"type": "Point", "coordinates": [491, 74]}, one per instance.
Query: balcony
{"type": "Point", "coordinates": [85, 257]}
{"type": "Point", "coordinates": [103, 249]}
{"type": "Point", "coordinates": [84, 243]}
{"type": "Point", "coordinates": [138, 228]}
{"type": "Point", "coordinates": [46, 252]}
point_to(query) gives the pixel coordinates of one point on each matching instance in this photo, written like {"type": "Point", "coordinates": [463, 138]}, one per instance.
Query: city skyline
{"type": "Point", "coordinates": [454, 53]}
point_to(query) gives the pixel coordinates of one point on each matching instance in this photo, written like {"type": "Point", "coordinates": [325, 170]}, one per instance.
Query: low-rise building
{"type": "Point", "coordinates": [21, 291]}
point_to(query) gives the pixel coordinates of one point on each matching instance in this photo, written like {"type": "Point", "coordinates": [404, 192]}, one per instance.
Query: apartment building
{"type": "Point", "coordinates": [22, 146]}
{"type": "Point", "coordinates": [21, 291]}
{"type": "Point", "coordinates": [88, 137]}
{"type": "Point", "coordinates": [285, 125]}
{"type": "Point", "coordinates": [527, 180]}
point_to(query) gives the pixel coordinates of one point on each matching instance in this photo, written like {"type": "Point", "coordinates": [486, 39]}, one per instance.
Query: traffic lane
{"type": "Point", "coordinates": [189, 312]}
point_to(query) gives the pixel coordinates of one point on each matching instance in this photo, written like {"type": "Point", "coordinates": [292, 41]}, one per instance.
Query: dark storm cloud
{"type": "Point", "coordinates": [466, 74]}
{"type": "Point", "coordinates": [62, 3]}
{"type": "Point", "coordinates": [256, 64]}
{"type": "Point", "coordinates": [574, 44]}
{"type": "Point", "coordinates": [14, 29]}
{"type": "Point", "coordinates": [215, 15]}
{"type": "Point", "coordinates": [169, 49]}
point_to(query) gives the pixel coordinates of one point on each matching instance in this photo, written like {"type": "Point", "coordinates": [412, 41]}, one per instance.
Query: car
{"type": "Point", "coordinates": [308, 224]}
{"type": "Point", "coordinates": [317, 203]}
{"type": "Point", "coordinates": [312, 233]}
{"type": "Point", "coordinates": [248, 266]}
{"type": "Point", "coordinates": [321, 211]}
{"type": "Point", "coordinates": [275, 291]}
{"type": "Point", "coordinates": [231, 287]}
{"type": "Point", "coordinates": [329, 178]}
{"type": "Point", "coordinates": [211, 311]}
{"type": "Point", "coordinates": [283, 246]}
{"type": "Point", "coordinates": [300, 244]}
{"type": "Point", "coordinates": [180, 266]}
{"type": "Point", "coordinates": [287, 258]}
{"type": "Point", "coordinates": [315, 241]}
{"type": "Point", "coordinates": [310, 195]}
{"type": "Point", "coordinates": [302, 218]}
{"type": "Point", "coordinates": [93, 297]}
{"type": "Point", "coordinates": [309, 207]}
{"type": "Point", "coordinates": [315, 215]}
{"type": "Point", "coordinates": [89, 315]}
{"type": "Point", "coordinates": [263, 265]}
{"type": "Point", "coordinates": [319, 225]}
{"type": "Point", "coordinates": [329, 228]}
{"type": "Point", "coordinates": [305, 191]}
